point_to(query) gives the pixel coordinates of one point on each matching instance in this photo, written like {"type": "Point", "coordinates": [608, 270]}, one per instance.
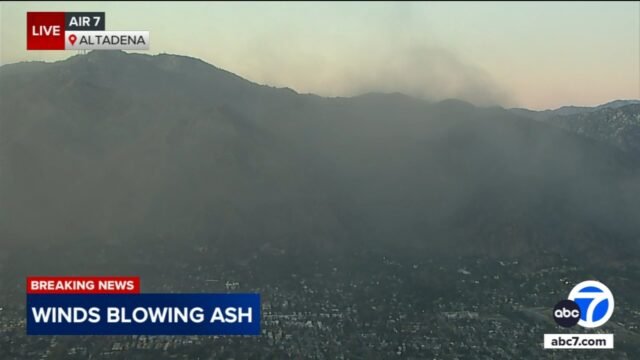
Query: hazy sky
{"type": "Point", "coordinates": [535, 55]}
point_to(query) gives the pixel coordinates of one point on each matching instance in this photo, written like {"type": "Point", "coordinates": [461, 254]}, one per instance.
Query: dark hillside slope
{"type": "Point", "coordinates": [112, 147]}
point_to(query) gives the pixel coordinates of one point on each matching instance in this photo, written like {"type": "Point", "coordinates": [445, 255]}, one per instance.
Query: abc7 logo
{"type": "Point", "coordinates": [566, 313]}
{"type": "Point", "coordinates": [590, 305]}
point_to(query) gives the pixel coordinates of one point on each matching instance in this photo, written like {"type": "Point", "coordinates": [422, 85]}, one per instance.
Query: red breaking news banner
{"type": "Point", "coordinates": [83, 285]}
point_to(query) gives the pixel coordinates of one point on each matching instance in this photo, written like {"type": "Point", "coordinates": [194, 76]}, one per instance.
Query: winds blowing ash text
{"type": "Point", "coordinates": [169, 315]}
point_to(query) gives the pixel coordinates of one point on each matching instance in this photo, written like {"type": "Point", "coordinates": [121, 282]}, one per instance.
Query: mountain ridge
{"type": "Point", "coordinates": [141, 148]}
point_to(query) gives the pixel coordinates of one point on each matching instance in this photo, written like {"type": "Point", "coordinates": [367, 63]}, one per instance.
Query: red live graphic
{"type": "Point", "coordinates": [83, 285]}
{"type": "Point", "coordinates": [45, 30]}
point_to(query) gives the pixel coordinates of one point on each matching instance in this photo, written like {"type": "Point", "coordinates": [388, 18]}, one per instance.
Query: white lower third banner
{"type": "Point", "coordinates": [578, 341]}
{"type": "Point", "coordinates": [106, 40]}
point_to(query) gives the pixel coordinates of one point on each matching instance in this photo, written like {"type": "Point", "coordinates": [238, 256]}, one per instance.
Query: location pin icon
{"type": "Point", "coordinates": [72, 39]}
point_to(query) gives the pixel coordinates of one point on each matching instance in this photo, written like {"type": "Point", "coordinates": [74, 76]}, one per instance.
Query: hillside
{"type": "Point", "coordinates": [112, 147]}
{"type": "Point", "coordinates": [619, 127]}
